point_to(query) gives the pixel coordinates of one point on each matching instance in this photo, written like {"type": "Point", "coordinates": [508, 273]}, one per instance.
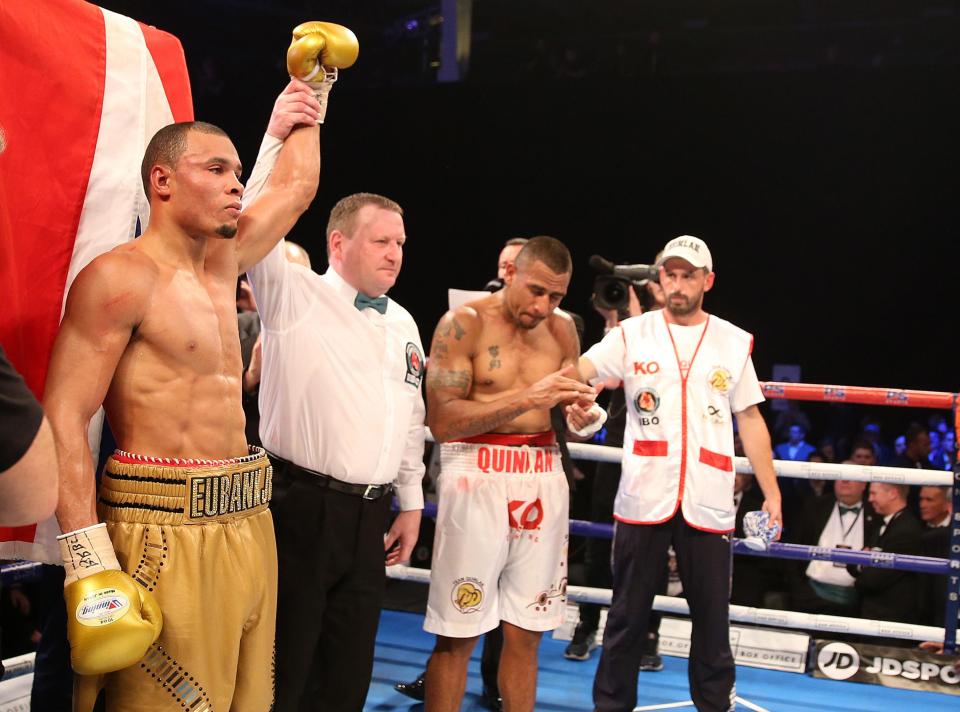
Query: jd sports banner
{"type": "Point", "coordinates": [907, 668]}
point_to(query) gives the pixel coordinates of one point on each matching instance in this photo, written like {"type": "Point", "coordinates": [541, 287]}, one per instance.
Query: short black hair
{"type": "Point", "coordinates": [168, 144]}
{"type": "Point", "coordinates": [549, 250]}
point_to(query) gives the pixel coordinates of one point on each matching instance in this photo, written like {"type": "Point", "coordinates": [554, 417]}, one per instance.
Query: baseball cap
{"type": "Point", "coordinates": [689, 248]}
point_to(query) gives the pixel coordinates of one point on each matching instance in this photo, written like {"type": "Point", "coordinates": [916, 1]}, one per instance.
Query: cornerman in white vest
{"type": "Point", "coordinates": [686, 374]}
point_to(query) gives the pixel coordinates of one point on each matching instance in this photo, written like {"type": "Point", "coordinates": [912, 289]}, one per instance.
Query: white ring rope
{"type": "Point", "coordinates": [740, 614]}
{"type": "Point", "coordinates": [789, 468]}
{"type": "Point", "coordinates": [798, 470]}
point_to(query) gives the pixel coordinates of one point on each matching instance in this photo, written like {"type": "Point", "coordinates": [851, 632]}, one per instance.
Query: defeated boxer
{"type": "Point", "coordinates": [497, 367]}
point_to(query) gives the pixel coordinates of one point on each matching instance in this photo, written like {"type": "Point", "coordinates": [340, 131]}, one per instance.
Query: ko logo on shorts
{"type": "Point", "coordinates": [838, 661]}
{"type": "Point", "coordinates": [525, 515]}
{"type": "Point", "coordinates": [467, 595]}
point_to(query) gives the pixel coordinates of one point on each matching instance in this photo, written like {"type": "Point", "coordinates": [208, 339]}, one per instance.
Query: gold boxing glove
{"type": "Point", "coordinates": [318, 49]}
{"type": "Point", "coordinates": [111, 619]}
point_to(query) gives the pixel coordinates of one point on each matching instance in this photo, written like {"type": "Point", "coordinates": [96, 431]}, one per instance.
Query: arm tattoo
{"type": "Point", "coordinates": [439, 347]}
{"type": "Point", "coordinates": [445, 378]}
{"type": "Point", "coordinates": [455, 329]}
{"type": "Point", "coordinates": [487, 423]}
{"type": "Point", "coordinates": [494, 357]}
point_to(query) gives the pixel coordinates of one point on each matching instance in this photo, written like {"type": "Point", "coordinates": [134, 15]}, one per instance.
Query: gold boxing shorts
{"type": "Point", "coordinates": [198, 535]}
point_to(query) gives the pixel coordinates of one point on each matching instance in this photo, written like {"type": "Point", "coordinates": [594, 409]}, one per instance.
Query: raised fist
{"type": "Point", "coordinates": [317, 44]}
{"type": "Point", "coordinates": [316, 53]}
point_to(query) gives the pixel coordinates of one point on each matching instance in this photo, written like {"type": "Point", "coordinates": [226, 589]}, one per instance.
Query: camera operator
{"type": "Point", "coordinates": [615, 298]}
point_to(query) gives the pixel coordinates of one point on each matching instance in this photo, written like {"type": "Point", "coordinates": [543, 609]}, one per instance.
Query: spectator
{"type": "Point", "coordinates": [795, 448]}
{"type": "Point", "coordinates": [935, 506]}
{"type": "Point", "coordinates": [949, 444]}
{"type": "Point", "coordinates": [863, 454]}
{"type": "Point", "coordinates": [888, 594]}
{"type": "Point", "coordinates": [790, 415]}
{"type": "Point", "coordinates": [899, 445]}
{"type": "Point", "coordinates": [935, 510]}
{"type": "Point", "coordinates": [938, 455]}
{"type": "Point", "coordinates": [870, 432]}
{"type": "Point", "coordinates": [838, 522]}
{"type": "Point", "coordinates": [915, 456]}
{"type": "Point", "coordinates": [827, 449]}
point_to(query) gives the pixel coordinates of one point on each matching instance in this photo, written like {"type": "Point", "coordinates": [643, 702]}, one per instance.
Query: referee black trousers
{"type": "Point", "coordinates": [331, 584]}
{"type": "Point", "coordinates": [639, 558]}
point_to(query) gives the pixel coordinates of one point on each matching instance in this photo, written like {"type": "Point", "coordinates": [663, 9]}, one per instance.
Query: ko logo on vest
{"type": "Point", "coordinates": [838, 661]}
{"type": "Point", "coordinates": [647, 368]}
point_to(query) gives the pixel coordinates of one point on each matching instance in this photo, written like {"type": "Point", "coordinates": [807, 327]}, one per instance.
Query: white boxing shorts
{"type": "Point", "coordinates": [500, 548]}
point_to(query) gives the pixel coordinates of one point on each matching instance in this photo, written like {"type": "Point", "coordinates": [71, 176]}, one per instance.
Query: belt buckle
{"type": "Point", "coordinates": [368, 490]}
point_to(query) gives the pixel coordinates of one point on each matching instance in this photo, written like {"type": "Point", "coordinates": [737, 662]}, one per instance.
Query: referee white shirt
{"type": "Point", "coordinates": [340, 388]}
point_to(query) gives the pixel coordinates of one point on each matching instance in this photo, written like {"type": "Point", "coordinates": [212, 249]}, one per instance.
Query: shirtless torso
{"type": "Point", "coordinates": [497, 366]}
{"type": "Point", "coordinates": [501, 363]}
{"type": "Point", "coordinates": [150, 328]}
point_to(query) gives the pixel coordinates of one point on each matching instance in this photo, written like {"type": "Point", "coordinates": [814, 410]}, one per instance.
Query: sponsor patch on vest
{"type": "Point", "coordinates": [217, 495]}
{"type": "Point", "coordinates": [647, 401]}
{"type": "Point", "coordinates": [720, 380]}
{"type": "Point", "coordinates": [467, 595]}
{"type": "Point", "coordinates": [714, 415]}
{"type": "Point", "coordinates": [414, 365]}
{"type": "Point", "coordinates": [102, 607]}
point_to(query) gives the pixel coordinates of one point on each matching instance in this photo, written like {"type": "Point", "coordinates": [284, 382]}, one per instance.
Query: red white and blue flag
{"type": "Point", "coordinates": [82, 91]}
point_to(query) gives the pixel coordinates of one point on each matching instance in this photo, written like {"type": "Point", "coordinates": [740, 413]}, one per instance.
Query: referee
{"type": "Point", "coordinates": [341, 414]}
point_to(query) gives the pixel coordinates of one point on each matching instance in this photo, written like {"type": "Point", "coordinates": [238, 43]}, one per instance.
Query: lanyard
{"type": "Point", "coordinates": [846, 532]}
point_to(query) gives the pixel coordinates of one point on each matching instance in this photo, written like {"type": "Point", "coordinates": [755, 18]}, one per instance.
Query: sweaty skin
{"type": "Point", "coordinates": [150, 328]}
{"type": "Point", "coordinates": [499, 364]}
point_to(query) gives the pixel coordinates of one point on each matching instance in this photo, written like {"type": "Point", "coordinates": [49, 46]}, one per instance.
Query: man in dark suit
{"type": "Point", "coordinates": [796, 448]}
{"type": "Point", "coordinates": [888, 594]}
{"type": "Point", "coordinates": [838, 521]}
{"type": "Point", "coordinates": [936, 512]}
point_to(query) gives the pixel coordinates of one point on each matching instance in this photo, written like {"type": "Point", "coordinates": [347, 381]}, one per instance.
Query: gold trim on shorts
{"type": "Point", "coordinates": [159, 490]}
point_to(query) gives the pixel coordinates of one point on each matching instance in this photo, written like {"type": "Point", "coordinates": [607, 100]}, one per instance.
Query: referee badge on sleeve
{"type": "Point", "coordinates": [414, 365]}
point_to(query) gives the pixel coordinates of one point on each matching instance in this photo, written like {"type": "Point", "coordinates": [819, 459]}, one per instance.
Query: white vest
{"type": "Point", "coordinates": [678, 442]}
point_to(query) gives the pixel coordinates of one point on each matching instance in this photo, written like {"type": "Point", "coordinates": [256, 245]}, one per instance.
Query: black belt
{"type": "Point", "coordinates": [318, 479]}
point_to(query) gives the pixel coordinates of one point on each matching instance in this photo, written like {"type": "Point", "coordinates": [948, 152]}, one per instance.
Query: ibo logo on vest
{"type": "Point", "coordinates": [647, 401]}
{"type": "Point", "coordinates": [103, 606]}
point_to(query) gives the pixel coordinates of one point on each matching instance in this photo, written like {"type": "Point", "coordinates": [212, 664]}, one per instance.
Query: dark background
{"type": "Point", "coordinates": [811, 144]}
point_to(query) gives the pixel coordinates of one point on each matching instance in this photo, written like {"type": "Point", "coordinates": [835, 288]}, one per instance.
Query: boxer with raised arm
{"type": "Point", "coordinates": [497, 367]}
{"type": "Point", "coordinates": [171, 567]}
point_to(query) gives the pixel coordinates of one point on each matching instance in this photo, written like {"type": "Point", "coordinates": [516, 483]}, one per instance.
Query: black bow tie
{"type": "Point", "coordinates": [848, 510]}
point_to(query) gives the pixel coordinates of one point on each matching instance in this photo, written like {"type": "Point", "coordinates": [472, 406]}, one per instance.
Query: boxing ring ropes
{"type": "Point", "coordinates": [813, 471]}
{"type": "Point", "coordinates": [950, 567]}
